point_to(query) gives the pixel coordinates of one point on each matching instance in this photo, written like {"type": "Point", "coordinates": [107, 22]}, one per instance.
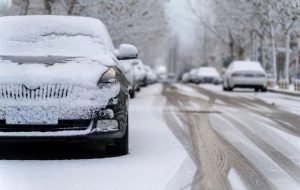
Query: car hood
{"type": "Point", "coordinates": [36, 71]}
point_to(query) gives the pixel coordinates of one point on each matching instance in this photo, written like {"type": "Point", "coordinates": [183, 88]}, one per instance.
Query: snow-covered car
{"type": "Point", "coordinates": [60, 79]}
{"type": "Point", "coordinates": [207, 75]}
{"type": "Point", "coordinates": [128, 66]}
{"type": "Point", "coordinates": [193, 75]}
{"type": "Point", "coordinates": [140, 73]}
{"type": "Point", "coordinates": [245, 74]}
{"type": "Point", "coordinates": [151, 76]}
{"type": "Point", "coordinates": [185, 78]}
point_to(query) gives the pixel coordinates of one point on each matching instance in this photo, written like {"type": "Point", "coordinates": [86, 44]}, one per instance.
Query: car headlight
{"type": "Point", "coordinates": [110, 76]}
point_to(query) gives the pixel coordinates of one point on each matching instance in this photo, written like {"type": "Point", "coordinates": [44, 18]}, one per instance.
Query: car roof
{"type": "Point", "coordinates": [247, 65]}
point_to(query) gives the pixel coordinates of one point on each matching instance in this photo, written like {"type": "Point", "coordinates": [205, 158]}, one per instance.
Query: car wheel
{"type": "Point", "coordinates": [264, 89]}
{"type": "Point", "coordinates": [120, 146]}
{"type": "Point", "coordinates": [138, 88]}
{"type": "Point", "coordinates": [132, 93]}
{"type": "Point", "coordinates": [225, 88]}
{"type": "Point", "coordinates": [256, 89]}
{"type": "Point", "coordinates": [230, 89]}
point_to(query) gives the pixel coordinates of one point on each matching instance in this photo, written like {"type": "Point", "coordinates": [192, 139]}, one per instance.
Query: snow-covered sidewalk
{"type": "Point", "coordinates": [290, 91]}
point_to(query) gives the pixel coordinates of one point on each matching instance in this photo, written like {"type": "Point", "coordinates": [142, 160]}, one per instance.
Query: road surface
{"type": "Point", "coordinates": [241, 140]}
{"type": "Point", "coordinates": [181, 137]}
{"type": "Point", "coordinates": [157, 160]}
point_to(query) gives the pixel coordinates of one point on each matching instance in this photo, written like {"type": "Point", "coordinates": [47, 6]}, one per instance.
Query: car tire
{"type": "Point", "coordinates": [225, 88]}
{"type": "Point", "coordinates": [256, 89]}
{"type": "Point", "coordinates": [230, 89]}
{"type": "Point", "coordinates": [264, 89]}
{"type": "Point", "coordinates": [138, 88]}
{"type": "Point", "coordinates": [121, 145]}
{"type": "Point", "coordinates": [132, 94]}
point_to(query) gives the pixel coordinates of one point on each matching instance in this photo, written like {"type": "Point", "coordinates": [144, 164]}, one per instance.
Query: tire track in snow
{"type": "Point", "coordinates": [278, 157]}
{"type": "Point", "coordinates": [215, 155]}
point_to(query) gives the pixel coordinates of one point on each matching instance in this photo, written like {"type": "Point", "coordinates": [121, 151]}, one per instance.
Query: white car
{"type": "Point", "coordinates": [140, 73]}
{"type": "Point", "coordinates": [245, 74]}
{"type": "Point", "coordinates": [193, 75]}
{"type": "Point", "coordinates": [151, 75]}
{"type": "Point", "coordinates": [185, 77]}
{"type": "Point", "coordinates": [128, 66]}
{"type": "Point", "coordinates": [207, 75]}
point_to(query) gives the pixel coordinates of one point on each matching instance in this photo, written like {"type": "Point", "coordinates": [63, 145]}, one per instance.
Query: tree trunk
{"type": "Point", "coordinates": [262, 52]}
{"type": "Point", "coordinates": [287, 55]}
{"type": "Point", "coordinates": [241, 53]}
{"type": "Point", "coordinates": [231, 46]}
{"type": "Point", "coordinates": [274, 53]}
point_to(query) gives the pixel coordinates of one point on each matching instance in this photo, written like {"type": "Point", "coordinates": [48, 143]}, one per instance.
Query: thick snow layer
{"type": "Point", "coordinates": [80, 71]}
{"type": "Point", "coordinates": [127, 51]}
{"type": "Point", "coordinates": [35, 92]}
{"type": "Point", "coordinates": [156, 159]}
{"type": "Point", "coordinates": [52, 35]}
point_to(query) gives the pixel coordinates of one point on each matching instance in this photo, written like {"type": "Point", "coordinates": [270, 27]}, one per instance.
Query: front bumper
{"type": "Point", "coordinates": [104, 123]}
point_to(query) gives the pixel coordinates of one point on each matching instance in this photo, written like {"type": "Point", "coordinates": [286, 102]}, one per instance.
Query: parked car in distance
{"type": "Point", "coordinates": [140, 74]}
{"type": "Point", "coordinates": [60, 79]}
{"type": "Point", "coordinates": [193, 75]}
{"type": "Point", "coordinates": [207, 75]}
{"type": "Point", "coordinates": [245, 74]}
{"type": "Point", "coordinates": [151, 76]}
{"type": "Point", "coordinates": [185, 78]}
{"type": "Point", "coordinates": [128, 66]}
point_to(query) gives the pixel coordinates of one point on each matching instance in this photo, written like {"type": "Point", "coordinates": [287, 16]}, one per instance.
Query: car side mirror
{"type": "Point", "coordinates": [126, 51]}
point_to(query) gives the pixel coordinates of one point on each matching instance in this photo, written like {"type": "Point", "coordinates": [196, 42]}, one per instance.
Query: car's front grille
{"type": "Point", "coordinates": [46, 91]}
{"type": "Point", "coordinates": [63, 125]}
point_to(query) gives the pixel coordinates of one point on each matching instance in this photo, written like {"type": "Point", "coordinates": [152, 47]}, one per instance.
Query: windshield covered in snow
{"type": "Point", "coordinates": [52, 36]}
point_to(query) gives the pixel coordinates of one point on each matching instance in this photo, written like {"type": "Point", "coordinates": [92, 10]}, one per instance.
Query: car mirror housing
{"type": "Point", "coordinates": [126, 51]}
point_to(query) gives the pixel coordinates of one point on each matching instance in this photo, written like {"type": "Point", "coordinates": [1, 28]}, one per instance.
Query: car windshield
{"type": "Point", "coordinates": [44, 36]}
{"type": "Point", "coordinates": [247, 66]}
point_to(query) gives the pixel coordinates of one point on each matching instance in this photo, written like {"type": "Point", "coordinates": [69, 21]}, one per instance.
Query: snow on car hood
{"type": "Point", "coordinates": [65, 87]}
{"type": "Point", "coordinates": [34, 72]}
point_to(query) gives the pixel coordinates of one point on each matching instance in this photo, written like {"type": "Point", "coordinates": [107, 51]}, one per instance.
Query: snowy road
{"type": "Point", "coordinates": [181, 137]}
{"type": "Point", "coordinates": [157, 160]}
{"type": "Point", "coordinates": [242, 140]}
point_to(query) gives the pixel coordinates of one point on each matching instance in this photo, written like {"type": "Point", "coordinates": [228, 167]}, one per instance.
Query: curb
{"type": "Point", "coordinates": [297, 94]}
